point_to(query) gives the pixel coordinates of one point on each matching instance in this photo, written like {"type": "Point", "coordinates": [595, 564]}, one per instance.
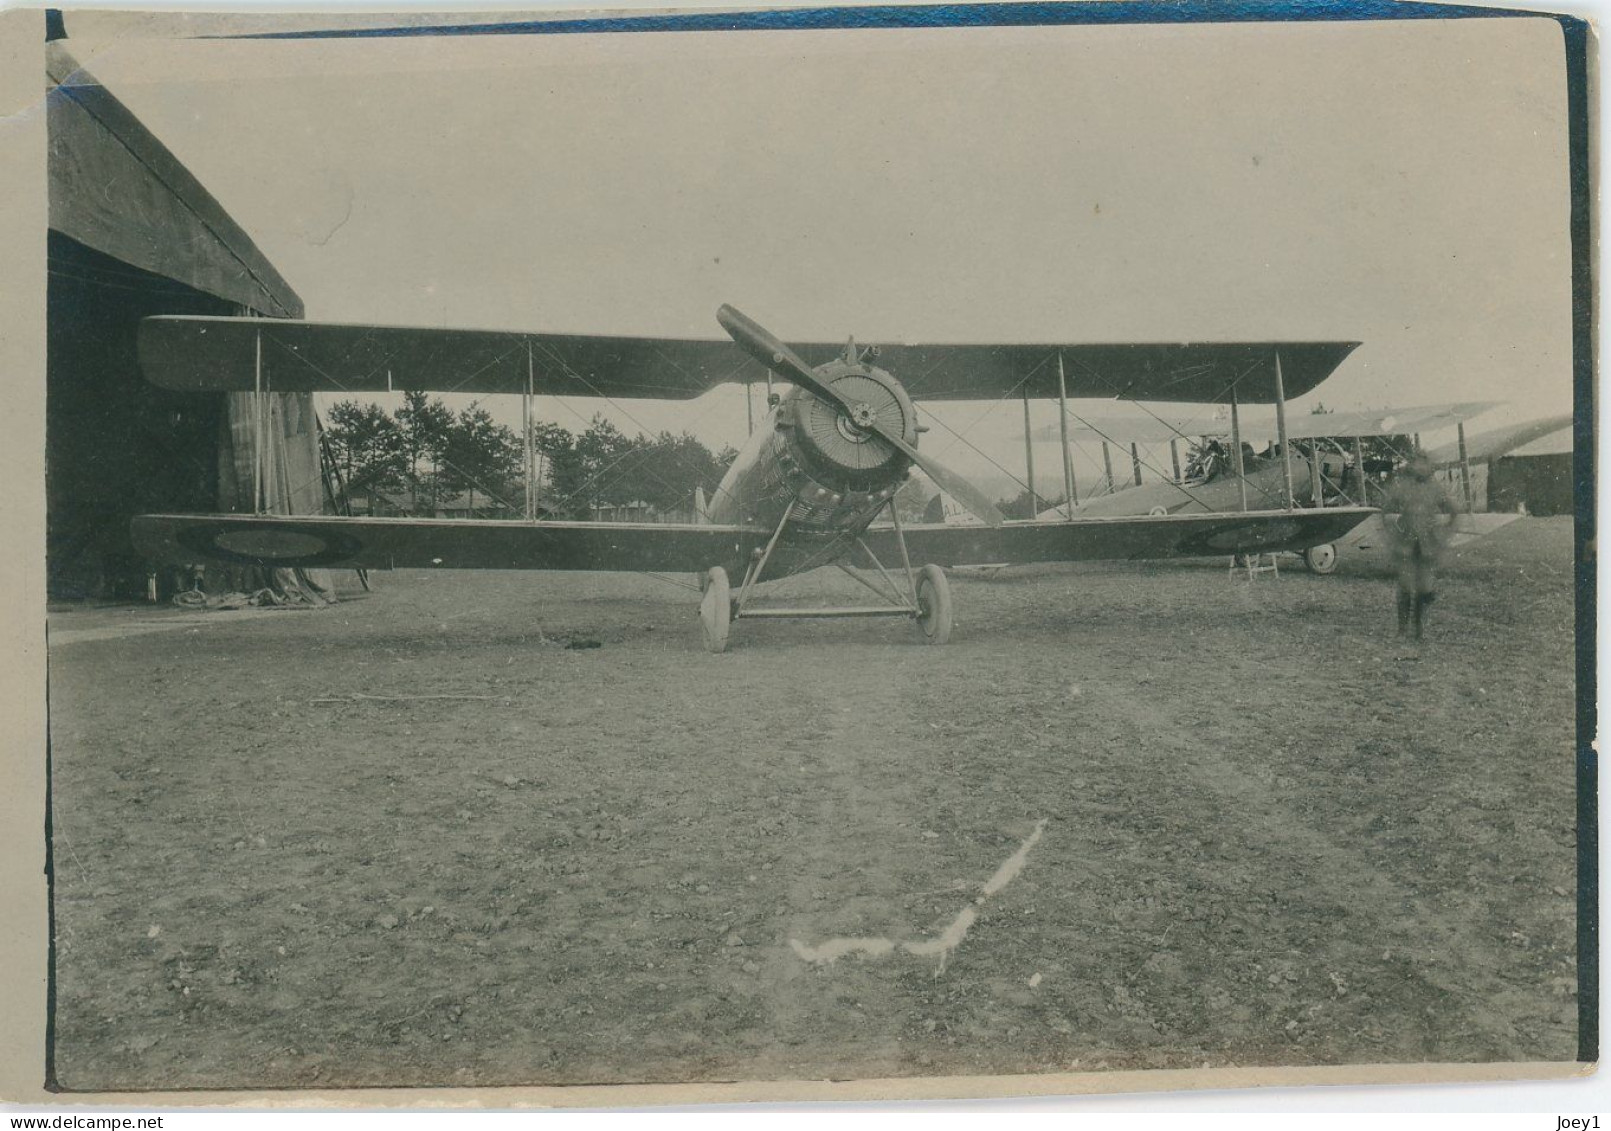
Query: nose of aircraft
{"type": "Point", "coordinates": [770, 351]}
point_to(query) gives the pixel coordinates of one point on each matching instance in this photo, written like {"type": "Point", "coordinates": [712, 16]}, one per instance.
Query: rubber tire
{"type": "Point", "coordinates": [716, 610]}
{"type": "Point", "coordinates": [934, 604]}
{"type": "Point", "coordinates": [1321, 559]}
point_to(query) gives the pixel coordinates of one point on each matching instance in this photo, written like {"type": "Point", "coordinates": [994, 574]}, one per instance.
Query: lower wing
{"type": "Point", "coordinates": [1122, 537]}
{"type": "Point", "coordinates": [307, 541]}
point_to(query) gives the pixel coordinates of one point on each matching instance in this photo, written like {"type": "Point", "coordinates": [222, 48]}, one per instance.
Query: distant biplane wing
{"type": "Point", "coordinates": [1159, 428]}
{"type": "Point", "coordinates": [1499, 442]}
{"type": "Point", "coordinates": [1156, 429]}
{"type": "Point", "coordinates": [1127, 537]}
{"type": "Point", "coordinates": [311, 541]}
{"type": "Point", "coordinates": [203, 353]}
{"type": "Point", "coordinates": [1371, 422]}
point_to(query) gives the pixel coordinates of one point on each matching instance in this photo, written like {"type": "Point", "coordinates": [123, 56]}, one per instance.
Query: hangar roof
{"type": "Point", "coordinates": [115, 188]}
{"type": "Point", "coordinates": [1556, 443]}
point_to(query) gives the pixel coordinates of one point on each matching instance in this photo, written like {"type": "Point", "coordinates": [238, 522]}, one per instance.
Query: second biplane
{"type": "Point", "coordinates": [1329, 449]}
{"type": "Point", "coordinates": [808, 489]}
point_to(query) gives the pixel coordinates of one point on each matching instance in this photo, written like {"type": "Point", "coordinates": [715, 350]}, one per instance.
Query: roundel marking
{"type": "Point", "coordinates": [267, 546]}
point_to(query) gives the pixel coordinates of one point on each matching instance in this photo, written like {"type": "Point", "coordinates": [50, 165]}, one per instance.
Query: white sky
{"type": "Point", "coordinates": [1400, 184]}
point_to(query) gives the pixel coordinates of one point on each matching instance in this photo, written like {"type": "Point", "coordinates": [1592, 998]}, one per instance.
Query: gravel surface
{"type": "Point", "coordinates": [433, 836]}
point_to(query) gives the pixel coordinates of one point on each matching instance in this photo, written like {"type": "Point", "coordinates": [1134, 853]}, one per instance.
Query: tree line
{"type": "Point", "coordinates": [424, 455]}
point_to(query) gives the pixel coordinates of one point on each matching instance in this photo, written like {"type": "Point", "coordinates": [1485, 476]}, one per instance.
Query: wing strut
{"type": "Point", "coordinates": [1070, 498]}
{"type": "Point", "coordinates": [1281, 427]}
{"type": "Point", "coordinates": [529, 438]}
{"type": "Point", "coordinates": [1029, 461]}
{"type": "Point", "coordinates": [1465, 465]}
{"type": "Point", "coordinates": [1236, 448]}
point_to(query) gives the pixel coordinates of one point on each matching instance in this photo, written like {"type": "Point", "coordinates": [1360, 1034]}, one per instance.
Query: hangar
{"type": "Point", "coordinates": [1536, 476]}
{"type": "Point", "coordinates": [133, 233]}
{"type": "Point", "coordinates": [1515, 469]}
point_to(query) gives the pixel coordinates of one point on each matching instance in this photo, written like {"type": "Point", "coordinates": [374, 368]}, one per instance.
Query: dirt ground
{"type": "Point", "coordinates": [1272, 833]}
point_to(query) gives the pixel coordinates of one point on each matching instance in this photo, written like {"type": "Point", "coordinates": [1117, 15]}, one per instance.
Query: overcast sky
{"type": "Point", "coordinates": [1400, 184]}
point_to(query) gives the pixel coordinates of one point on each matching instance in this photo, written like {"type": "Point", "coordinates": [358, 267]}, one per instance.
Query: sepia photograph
{"type": "Point", "coordinates": [694, 547]}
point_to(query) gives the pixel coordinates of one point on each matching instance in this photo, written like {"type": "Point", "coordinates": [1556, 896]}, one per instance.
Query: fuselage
{"type": "Point", "coordinates": [808, 461]}
{"type": "Point", "coordinates": [1265, 490]}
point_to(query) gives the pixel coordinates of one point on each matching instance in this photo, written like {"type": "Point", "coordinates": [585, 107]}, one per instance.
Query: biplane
{"type": "Point", "coordinates": [813, 486]}
{"type": "Point", "coordinates": [1231, 464]}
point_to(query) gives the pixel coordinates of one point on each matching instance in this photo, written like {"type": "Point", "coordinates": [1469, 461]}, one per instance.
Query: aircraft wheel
{"type": "Point", "coordinates": [934, 604]}
{"type": "Point", "coordinates": [1321, 559]}
{"type": "Point", "coordinates": [716, 609]}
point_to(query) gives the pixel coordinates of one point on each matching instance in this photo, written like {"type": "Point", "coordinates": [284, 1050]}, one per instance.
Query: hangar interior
{"type": "Point", "coordinates": [132, 234]}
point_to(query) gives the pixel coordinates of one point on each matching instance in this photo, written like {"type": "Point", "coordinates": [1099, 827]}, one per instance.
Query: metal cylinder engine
{"type": "Point", "coordinates": [835, 473]}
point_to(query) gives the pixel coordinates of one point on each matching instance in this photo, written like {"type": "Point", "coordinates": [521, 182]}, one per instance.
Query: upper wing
{"type": "Point", "coordinates": [387, 543]}
{"type": "Point", "coordinates": [1192, 372]}
{"type": "Point", "coordinates": [1158, 428]}
{"type": "Point", "coordinates": [1084, 428]}
{"type": "Point", "coordinates": [192, 352]}
{"type": "Point", "coordinates": [1500, 441]}
{"type": "Point", "coordinates": [1378, 422]}
{"type": "Point", "coordinates": [1127, 537]}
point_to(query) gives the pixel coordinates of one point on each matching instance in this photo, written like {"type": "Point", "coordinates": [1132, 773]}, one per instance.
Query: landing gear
{"type": "Point", "coordinates": [716, 609]}
{"type": "Point", "coordinates": [1321, 559]}
{"type": "Point", "coordinates": [934, 604]}
{"type": "Point", "coordinates": [925, 596]}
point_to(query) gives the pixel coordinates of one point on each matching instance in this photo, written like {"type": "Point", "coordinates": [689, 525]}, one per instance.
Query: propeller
{"type": "Point", "coordinates": [764, 347]}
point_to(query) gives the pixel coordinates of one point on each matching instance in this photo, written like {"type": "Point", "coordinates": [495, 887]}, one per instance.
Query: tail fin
{"type": "Point", "coordinates": [701, 507]}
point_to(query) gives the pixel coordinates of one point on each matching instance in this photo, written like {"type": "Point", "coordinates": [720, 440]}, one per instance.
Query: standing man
{"type": "Point", "coordinates": [1418, 514]}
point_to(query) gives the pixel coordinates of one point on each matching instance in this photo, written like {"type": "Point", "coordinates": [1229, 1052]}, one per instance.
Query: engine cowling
{"type": "Point", "coordinates": [815, 456]}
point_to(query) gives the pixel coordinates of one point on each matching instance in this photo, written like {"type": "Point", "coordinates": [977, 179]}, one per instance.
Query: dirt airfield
{"type": "Point", "coordinates": [1133, 816]}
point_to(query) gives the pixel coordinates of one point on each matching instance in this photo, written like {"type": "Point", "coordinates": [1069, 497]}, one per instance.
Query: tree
{"type": "Point", "coordinates": [479, 454]}
{"type": "Point", "coordinates": [600, 451]}
{"type": "Point", "coordinates": [556, 461]}
{"type": "Point", "coordinates": [603, 467]}
{"type": "Point", "coordinates": [667, 470]}
{"type": "Point", "coordinates": [369, 446]}
{"type": "Point", "coordinates": [425, 425]}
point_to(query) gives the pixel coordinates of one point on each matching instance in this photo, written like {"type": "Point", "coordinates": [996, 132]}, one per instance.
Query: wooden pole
{"type": "Point", "coordinates": [1236, 449]}
{"type": "Point", "coordinates": [1465, 466]}
{"type": "Point", "coordinates": [272, 496]}
{"type": "Point", "coordinates": [257, 427]}
{"type": "Point", "coordinates": [1135, 462]}
{"type": "Point", "coordinates": [1029, 460]}
{"type": "Point", "coordinates": [1107, 465]}
{"type": "Point", "coordinates": [1174, 458]}
{"type": "Point", "coordinates": [1070, 498]}
{"type": "Point", "coordinates": [1281, 430]}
